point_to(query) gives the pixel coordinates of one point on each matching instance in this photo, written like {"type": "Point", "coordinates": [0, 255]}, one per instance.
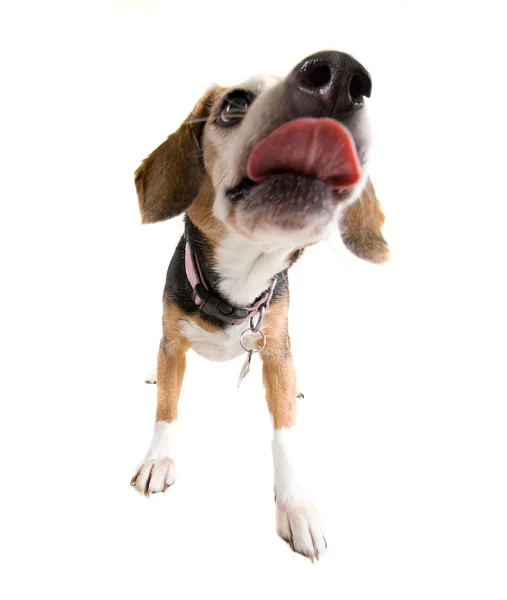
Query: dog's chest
{"type": "Point", "coordinates": [220, 345]}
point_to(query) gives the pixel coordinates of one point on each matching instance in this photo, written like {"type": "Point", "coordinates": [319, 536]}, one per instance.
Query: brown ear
{"type": "Point", "coordinates": [170, 178]}
{"type": "Point", "coordinates": [361, 227]}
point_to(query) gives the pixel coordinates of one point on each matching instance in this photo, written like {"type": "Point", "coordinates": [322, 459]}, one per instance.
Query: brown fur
{"type": "Point", "coordinates": [361, 228]}
{"type": "Point", "coordinates": [172, 359]}
{"type": "Point", "coordinates": [296, 255]}
{"type": "Point", "coordinates": [170, 177]}
{"type": "Point", "coordinates": [278, 373]}
{"type": "Point", "coordinates": [201, 214]}
{"type": "Point", "coordinates": [171, 364]}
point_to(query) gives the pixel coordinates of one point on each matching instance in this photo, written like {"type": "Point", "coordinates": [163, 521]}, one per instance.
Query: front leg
{"type": "Point", "coordinates": [157, 472]}
{"type": "Point", "coordinates": [297, 521]}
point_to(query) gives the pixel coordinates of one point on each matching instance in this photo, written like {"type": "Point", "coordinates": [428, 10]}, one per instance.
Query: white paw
{"type": "Point", "coordinates": [155, 475]}
{"type": "Point", "coordinates": [299, 526]}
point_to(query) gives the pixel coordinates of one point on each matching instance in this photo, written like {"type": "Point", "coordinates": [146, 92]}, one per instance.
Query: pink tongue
{"type": "Point", "coordinates": [320, 148]}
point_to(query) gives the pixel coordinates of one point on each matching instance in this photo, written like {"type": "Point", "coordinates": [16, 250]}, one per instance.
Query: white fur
{"type": "Point", "coordinates": [158, 469]}
{"type": "Point", "coordinates": [247, 269]}
{"type": "Point", "coordinates": [162, 442]}
{"type": "Point", "coordinates": [220, 345]}
{"type": "Point", "coordinates": [296, 518]}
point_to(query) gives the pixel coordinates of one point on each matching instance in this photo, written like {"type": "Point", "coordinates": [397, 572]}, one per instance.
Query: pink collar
{"type": "Point", "coordinates": [213, 305]}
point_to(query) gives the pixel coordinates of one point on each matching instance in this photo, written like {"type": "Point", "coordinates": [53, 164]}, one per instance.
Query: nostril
{"type": "Point", "coordinates": [316, 76]}
{"type": "Point", "coordinates": [355, 87]}
{"type": "Point", "coordinates": [360, 85]}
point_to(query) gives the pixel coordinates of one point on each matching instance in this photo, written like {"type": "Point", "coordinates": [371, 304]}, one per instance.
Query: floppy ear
{"type": "Point", "coordinates": [361, 227]}
{"type": "Point", "coordinates": [170, 178]}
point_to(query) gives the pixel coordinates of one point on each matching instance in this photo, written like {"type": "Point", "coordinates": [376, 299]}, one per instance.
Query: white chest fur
{"type": "Point", "coordinates": [221, 345]}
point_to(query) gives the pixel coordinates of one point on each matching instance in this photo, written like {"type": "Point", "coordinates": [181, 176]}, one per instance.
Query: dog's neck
{"type": "Point", "coordinates": [245, 269]}
{"type": "Point", "coordinates": [237, 269]}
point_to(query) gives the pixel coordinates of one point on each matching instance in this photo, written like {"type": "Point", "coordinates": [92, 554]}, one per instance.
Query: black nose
{"type": "Point", "coordinates": [331, 82]}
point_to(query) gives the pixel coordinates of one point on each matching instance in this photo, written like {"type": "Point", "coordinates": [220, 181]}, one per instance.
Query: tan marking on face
{"type": "Point", "coordinates": [201, 214]}
{"type": "Point", "coordinates": [294, 256]}
{"type": "Point", "coordinates": [278, 373]}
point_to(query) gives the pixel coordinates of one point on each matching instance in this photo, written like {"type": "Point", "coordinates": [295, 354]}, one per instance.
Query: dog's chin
{"type": "Point", "coordinates": [285, 209]}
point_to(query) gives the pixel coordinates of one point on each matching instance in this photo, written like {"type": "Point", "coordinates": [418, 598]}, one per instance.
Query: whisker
{"type": "Point", "coordinates": [233, 114]}
{"type": "Point", "coordinates": [200, 120]}
{"type": "Point", "coordinates": [220, 181]}
{"type": "Point", "coordinates": [236, 113]}
{"type": "Point", "coordinates": [235, 103]}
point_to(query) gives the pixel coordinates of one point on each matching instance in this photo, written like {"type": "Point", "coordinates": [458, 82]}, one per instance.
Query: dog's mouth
{"type": "Point", "coordinates": [322, 150]}
{"type": "Point", "coordinates": [240, 191]}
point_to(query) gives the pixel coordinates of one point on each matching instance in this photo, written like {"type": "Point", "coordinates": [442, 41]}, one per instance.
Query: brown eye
{"type": "Point", "coordinates": [234, 108]}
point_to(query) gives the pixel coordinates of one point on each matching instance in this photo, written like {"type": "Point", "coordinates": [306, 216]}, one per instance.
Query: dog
{"type": "Point", "coordinates": [262, 171]}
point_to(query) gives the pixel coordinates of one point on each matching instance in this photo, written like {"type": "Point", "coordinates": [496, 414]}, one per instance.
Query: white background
{"type": "Point", "coordinates": [403, 370]}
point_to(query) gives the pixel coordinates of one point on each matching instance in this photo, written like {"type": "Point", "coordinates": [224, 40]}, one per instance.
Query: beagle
{"type": "Point", "coordinates": [262, 170]}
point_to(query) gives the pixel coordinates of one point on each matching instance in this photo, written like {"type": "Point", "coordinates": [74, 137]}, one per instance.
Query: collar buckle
{"type": "Point", "coordinates": [214, 306]}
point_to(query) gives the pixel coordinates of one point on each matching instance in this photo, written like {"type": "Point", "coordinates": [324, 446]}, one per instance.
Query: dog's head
{"type": "Point", "coordinates": [279, 162]}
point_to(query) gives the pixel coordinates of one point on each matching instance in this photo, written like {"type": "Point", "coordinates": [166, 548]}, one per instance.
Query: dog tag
{"type": "Point", "coordinates": [245, 369]}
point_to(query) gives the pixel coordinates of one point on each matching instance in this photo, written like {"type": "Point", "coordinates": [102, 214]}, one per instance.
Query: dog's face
{"type": "Point", "coordinates": [285, 160]}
